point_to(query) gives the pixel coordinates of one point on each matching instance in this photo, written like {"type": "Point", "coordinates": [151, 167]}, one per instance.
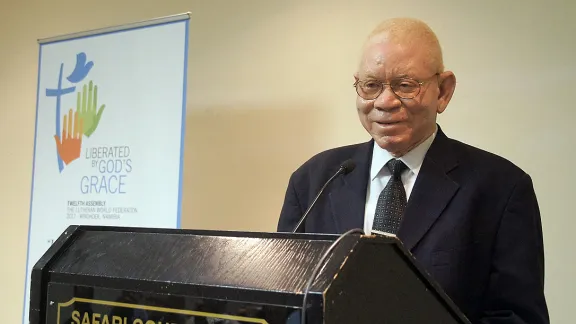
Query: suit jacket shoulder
{"type": "Point", "coordinates": [307, 180]}
{"type": "Point", "coordinates": [479, 163]}
{"type": "Point", "coordinates": [330, 160]}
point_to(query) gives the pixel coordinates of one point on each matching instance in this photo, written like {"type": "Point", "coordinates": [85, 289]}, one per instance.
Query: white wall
{"type": "Point", "coordinates": [270, 85]}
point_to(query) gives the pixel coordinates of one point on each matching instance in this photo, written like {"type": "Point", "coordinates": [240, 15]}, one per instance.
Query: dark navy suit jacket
{"type": "Point", "coordinates": [472, 222]}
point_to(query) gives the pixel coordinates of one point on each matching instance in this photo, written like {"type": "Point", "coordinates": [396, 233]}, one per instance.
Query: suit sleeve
{"type": "Point", "coordinates": [516, 285]}
{"type": "Point", "coordinates": [291, 210]}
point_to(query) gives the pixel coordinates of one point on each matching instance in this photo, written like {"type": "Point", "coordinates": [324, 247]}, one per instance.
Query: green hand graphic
{"type": "Point", "coordinates": [86, 107]}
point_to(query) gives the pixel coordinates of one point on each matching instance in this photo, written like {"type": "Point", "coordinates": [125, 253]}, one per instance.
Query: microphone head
{"type": "Point", "coordinates": [347, 166]}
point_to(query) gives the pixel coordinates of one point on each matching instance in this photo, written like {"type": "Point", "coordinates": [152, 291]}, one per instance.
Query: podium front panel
{"type": "Point", "coordinates": [71, 304]}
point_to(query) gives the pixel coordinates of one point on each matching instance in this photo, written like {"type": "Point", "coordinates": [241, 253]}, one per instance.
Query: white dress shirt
{"type": "Point", "coordinates": [380, 175]}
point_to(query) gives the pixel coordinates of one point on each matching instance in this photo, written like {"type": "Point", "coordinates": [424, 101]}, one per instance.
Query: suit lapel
{"type": "Point", "coordinates": [432, 192]}
{"type": "Point", "coordinates": [348, 198]}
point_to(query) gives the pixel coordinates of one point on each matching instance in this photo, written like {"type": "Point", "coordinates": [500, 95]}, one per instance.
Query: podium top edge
{"type": "Point", "coordinates": [74, 230]}
{"type": "Point", "coordinates": [202, 232]}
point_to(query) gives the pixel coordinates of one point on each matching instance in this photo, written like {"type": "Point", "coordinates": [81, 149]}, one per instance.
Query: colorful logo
{"type": "Point", "coordinates": [79, 122]}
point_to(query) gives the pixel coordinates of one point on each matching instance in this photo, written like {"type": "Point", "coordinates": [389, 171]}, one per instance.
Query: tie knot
{"type": "Point", "coordinates": [396, 166]}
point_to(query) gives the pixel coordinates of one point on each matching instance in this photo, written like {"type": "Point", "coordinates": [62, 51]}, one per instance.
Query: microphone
{"type": "Point", "coordinates": [345, 168]}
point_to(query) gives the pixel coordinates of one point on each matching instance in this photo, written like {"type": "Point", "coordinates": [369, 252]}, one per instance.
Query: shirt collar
{"type": "Point", "coordinates": [412, 159]}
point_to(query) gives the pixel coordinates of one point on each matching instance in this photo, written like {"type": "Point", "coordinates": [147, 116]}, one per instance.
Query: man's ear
{"type": "Point", "coordinates": [447, 85]}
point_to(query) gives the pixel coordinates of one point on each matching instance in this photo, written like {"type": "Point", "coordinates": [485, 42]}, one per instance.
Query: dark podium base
{"type": "Point", "coordinates": [111, 275]}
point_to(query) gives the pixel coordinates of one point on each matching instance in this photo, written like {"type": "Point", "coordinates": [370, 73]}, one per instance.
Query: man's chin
{"type": "Point", "coordinates": [393, 144]}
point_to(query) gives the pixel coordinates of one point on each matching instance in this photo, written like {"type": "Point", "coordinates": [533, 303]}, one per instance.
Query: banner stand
{"type": "Point", "coordinates": [109, 131]}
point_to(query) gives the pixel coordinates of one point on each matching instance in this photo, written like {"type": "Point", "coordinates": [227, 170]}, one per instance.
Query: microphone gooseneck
{"type": "Point", "coordinates": [345, 168]}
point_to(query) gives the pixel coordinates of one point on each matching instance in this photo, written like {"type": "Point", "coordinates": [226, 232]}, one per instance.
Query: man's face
{"type": "Point", "coordinates": [398, 125]}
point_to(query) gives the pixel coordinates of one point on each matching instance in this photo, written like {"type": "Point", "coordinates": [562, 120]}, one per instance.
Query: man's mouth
{"type": "Point", "coordinates": [388, 122]}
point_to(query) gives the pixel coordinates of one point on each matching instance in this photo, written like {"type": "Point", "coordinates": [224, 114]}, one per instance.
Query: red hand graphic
{"type": "Point", "coordinates": [69, 145]}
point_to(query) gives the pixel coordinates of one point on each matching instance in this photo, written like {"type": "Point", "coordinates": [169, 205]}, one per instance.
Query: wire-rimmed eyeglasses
{"type": "Point", "coordinates": [403, 88]}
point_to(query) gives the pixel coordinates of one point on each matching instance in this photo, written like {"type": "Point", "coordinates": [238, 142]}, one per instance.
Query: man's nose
{"type": "Point", "coordinates": [387, 100]}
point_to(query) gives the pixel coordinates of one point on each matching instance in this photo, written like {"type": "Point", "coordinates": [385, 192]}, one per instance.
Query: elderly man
{"type": "Point", "coordinates": [469, 217]}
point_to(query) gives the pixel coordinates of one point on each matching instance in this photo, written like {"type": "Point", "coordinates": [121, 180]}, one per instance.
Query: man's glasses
{"type": "Point", "coordinates": [404, 88]}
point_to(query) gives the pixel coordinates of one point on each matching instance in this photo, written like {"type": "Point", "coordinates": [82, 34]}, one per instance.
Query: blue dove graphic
{"type": "Point", "coordinates": [81, 69]}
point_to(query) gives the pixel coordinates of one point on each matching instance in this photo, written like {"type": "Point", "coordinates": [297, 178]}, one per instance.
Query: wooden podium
{"type": "Point", "coordinates": [121, 275]}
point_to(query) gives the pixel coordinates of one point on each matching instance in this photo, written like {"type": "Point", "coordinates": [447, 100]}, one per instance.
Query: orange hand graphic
{"type": "Point", "coordinates": [69, 145]}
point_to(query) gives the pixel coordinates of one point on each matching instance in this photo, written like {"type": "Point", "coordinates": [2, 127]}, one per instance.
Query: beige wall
{"type": "Point", "coordinates": [286, 70]}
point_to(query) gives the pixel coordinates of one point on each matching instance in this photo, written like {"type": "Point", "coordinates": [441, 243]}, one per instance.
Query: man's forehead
{"type": "Point", "coordinates": [383, 51]}
{"type": "Point", "coordinates": [381, 59]}
{"type": "Point", "coordinates": [391, 59]}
